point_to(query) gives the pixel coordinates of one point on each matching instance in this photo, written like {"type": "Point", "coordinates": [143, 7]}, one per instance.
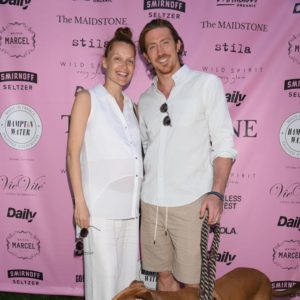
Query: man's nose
{"type": "Point", "coordinates": [160, 50]}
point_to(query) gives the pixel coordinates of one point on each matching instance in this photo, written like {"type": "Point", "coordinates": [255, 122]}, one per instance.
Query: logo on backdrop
{"type": "Point", "coordinates": [23, 244]}
{"type": "Point", "coordinates": [20, 126]}
{"type": "Point", "coordinates": [109, 21]}
{"type": "Point", "coordinates": [289, 222]}
{"type": "Point", "coordinates": [286, 254]}
{"type": "Point", "coordinates": [17, 40]}
{"type": "Point", "coordinates": [294, 48]}
{"type": "Point", "coordinates": [292, 84]}
{"type": "Point", "coordinates": [283, 284]}
{"type": "Point", "coordinates": [233, 75]}
{"type": "Point", "coordinates": [287, 194]}
{"type": "Point", "coordinates": [233, 25]}
{"type": "Point", "coordinates": [290, 135]}
{"type": "Point", "coordinates": [240, 3]}
{"type": "Point", "coordinates": [86, 70]}
{"type": "Point", "coordinates": [25, 214]}
{"type": "Point", "coordinates": [22, 3]}
{"type": "Point", "coordinates": [25, 277]}
{"type": "Point", "coordinates": [22, 185]}
{"type": "Point", "coordinates": [231, 201]}
{"type": "Point", "coordinates": [245, 128]}
{"type": "Point", "coordinates": [89, 43]}
{"type": "Point", "coordinates": [237, 178]}
{"type": "Point", "coordinates": [19, 76]}
{"type": "Point", "coordinates": [296, 8]}
{"type": "Point", "coordinates": [233, 48]}
{"type": "Point", "coordinates": [168, 5]}
{"type": "Point", "coordinates": [226, 257]}
{"type": "Point", "coordinates": [225, 230]}
{"type": "Point", "coordinates": [79, 278]}
{"type": "Point", "coordinates": [236, 97]}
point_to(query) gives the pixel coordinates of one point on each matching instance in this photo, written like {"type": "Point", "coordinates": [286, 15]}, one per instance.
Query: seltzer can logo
{"type": "Point", "coordinates": [17, 40]}
{"type": "Point", "coordinates": [23, 244]}
{"type": "Point", "coordinates": [290, 135]}
{"type": "Point", "coordinates": [20, 126]}
{"type": "Point", "coordinates": [286, 254]}
{"type": "Point", "coordinates": [294, 48]}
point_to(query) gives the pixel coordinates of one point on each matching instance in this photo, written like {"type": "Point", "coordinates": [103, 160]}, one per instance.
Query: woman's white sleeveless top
{"type": "Point", "coordinates": [111, 162]}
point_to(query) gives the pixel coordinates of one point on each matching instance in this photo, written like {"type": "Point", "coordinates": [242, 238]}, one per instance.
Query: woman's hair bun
{"type": "Point", "coordinates": [123, 32]}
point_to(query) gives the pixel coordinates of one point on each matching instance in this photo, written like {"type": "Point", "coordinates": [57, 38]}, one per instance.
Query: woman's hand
{"type": "Point", "coordinates": [82, 215]}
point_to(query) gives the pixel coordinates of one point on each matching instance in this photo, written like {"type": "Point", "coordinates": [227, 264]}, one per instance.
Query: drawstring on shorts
{"type": "Point", "coordinates": [156, 224]}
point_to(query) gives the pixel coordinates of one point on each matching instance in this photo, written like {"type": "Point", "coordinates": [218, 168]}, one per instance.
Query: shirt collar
{"type": "Point", "coordinates": [105, 93]}
{"type": "Point", "coordinates": [178, 76]}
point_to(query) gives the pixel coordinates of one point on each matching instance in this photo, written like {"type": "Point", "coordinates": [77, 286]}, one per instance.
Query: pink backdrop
{"type": "Point", "coordinates": [50, 48]}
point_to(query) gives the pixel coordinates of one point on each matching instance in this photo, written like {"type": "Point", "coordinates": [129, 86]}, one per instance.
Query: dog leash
{"type": "Point", "coordinates": [208, 270]}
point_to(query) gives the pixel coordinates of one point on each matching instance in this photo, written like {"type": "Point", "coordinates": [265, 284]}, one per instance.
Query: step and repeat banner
{"type": "Point", "coordinates": [51, 49]}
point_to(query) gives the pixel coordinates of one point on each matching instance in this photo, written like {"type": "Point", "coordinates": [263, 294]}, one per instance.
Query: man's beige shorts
{"type": "Point", "coordinates": [178, 249]}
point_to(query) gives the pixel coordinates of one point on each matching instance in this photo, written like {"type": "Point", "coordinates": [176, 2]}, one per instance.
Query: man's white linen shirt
{"type": "Point", "coordinates": [179, 158]}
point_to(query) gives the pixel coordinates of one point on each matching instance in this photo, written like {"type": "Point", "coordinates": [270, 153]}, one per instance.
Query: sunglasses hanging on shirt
{"type": "Point", "coordinates": [166, 119]}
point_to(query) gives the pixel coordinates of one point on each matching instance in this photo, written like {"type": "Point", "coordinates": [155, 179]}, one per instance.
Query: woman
{"type": "Point", "coordinates": [105, 168]}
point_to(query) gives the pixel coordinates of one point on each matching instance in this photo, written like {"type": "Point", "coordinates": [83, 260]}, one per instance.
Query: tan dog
{"type": "Point", "coordinates": [137, 290]}
{"type": "Point", "coordinates": [238, 284]}
{"type": "Point", "coordinates": [248, 284]}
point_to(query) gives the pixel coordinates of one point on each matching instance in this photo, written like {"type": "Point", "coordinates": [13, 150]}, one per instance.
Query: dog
{"type": "Point", "coordinates": [248, 284]}
{"type": "Point", "coordinates": [137, 290]}
{"type": "Point", "coordinates": [238, 284]}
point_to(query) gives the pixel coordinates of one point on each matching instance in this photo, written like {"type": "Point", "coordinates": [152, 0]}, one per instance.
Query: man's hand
{"type": "Point", "coordinates": [214, 205]}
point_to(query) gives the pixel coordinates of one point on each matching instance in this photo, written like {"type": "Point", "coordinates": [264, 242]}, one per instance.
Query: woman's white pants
{"type": "Point", "coordinates": [111, 252]}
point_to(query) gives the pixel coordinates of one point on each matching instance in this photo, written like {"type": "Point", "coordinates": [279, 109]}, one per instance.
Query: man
{"type": "Point", "coordinates": [187, 137]}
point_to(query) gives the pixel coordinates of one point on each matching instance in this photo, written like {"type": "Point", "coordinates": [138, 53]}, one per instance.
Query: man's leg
{"type": "Point", "coordinates": [167, 282]}
{"type": "Point", "coordinates": [184, 226]}
{"type": "Point", "coordinates": [182, 221]}
{"type": "Point", "coordinates": [156, 246]}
